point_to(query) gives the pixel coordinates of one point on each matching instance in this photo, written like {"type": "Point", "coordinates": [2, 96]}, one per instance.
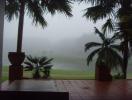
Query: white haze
{"type": "Point", "coordinates": [63, 38]}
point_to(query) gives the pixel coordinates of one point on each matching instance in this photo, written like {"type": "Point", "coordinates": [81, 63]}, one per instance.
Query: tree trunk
{"type": "Point", "coordinates": [16, 70]}
{"type": "Point", "coordinates": [2, 9]}
{"type": "Point", "coordinates": [125, 55]}
{"type": "Point", "coordinates": [20, 27]}
{"type": "Point", "coordinates": [125, 7]}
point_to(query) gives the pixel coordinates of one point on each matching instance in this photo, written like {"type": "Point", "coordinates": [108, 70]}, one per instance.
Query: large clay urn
{"type": "Point", "coordinates": [16, 69]}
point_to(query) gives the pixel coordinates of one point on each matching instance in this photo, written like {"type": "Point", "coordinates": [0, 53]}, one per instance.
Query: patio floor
{"type": "Point", "coordinates": [93, 90]}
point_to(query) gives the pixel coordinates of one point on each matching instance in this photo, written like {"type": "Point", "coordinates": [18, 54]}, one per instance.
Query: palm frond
{"type": "Point", "coordinates": [108, 26]}
{"type": "Point", "coordinates": [28, 68]}
{"type": "Point", "coordinates": [32, 59]}
{"type": "Point", "coordinates": [36, 60]}
{"type": "Point", "coordinates": [11, 9]}
{"type": "Point", "coordinates": [116, 47]}
{"type": "Point", "coordinates": [29, 57]}
{"type": "Point", "coordinates": [110, 57]}
{"type": "Point", "coordinates": [101, 35]}
{"type": "Point", "coordinates": [91, 44]}
{"type": "Point", "coordinates": [117, 60]}
{"type": "Point", "coordinates": [47, 62]}
{"type": "Point", "coordinates": [116, 36]}
{"type": "Point", "coordinates": [35, 11]}
{"type": "Point", "coordinates": [98, 12]}
{"type": "Point", "coordinates": [91, 55]}
{"type": "Point", "coordinates": [100, 2]}
{"type": "Point", "coordinates": [42, 59]}
{"type": "Point", "coordinates": [47, 66]}
{"type": "Point", "coordinates": [28, 63]}
{"type": "Point", "coordinates": [53, 6]}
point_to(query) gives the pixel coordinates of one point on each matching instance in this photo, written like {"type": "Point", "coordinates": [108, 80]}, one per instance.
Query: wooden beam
{"type": "Point", "coordinates": [2, 10]}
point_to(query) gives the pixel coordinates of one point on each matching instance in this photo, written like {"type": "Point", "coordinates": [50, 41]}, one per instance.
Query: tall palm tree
{"type": "Point", "coordinates": [107, 52]}
{"type": "Point", "coordinates": [35, 9]}
{"type": "Point", "coordinates": [2, 10]}
{"type": "Point", "coordinates": [117, 9]}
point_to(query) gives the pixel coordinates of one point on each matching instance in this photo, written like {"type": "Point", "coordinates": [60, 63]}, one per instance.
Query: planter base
{"type": "Point", "coordinates": [103, 74]}
{"type": "Point", "coordinates": [15, 73]}
{"type": "Point", "coordinates": [16, 69]}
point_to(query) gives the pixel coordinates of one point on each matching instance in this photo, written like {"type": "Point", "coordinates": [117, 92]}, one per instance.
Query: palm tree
{"type": "Point", "coordinates": [119, 9]}
{"type": "Point", "coordinates": [35, 9]}
{"type": "Point", "coordinates": [107, 51]}
{"type": "Point", "coordinates": [37, 65]}
{"type": "Point", "coordinates": [2, 5]}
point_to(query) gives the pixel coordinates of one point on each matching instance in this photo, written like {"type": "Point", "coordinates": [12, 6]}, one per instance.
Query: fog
{"type": "Point", "coordinates": [67, 53]}
{"type": "Point", "coordinates": [63, 39]}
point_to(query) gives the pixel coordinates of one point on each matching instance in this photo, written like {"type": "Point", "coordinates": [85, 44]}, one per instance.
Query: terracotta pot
{"type": "Point", "coordinates": [102, 73]}
{"type": "Point", "coordinates": [16, 58]}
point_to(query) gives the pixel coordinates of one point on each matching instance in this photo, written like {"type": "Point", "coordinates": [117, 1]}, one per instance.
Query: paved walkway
{"type": "Point", "coordinates": [94, 90]}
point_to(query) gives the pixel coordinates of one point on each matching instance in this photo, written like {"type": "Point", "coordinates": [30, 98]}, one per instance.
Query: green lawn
{"type": "Point", "coordinates": [57, 74]}
{"type": "Point", "coordinates": [66, 74]}
{"type": "Point", "coordinates": [61, 74]}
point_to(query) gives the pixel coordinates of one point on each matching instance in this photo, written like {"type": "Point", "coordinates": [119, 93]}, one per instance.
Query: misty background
{"type": "Point", "coordinates": [63, 39]}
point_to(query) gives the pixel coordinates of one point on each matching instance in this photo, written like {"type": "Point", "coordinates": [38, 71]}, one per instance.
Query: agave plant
{"type": "Point", "coordinates": [38, 65]}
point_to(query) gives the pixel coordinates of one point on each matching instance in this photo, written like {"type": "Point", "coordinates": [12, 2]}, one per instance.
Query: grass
{"type": "Point", "coordinates": [61, 74]}
{"type": "Point", "coordinates": [71, 74]}
{"type": "Point", "coordinates": [129, 76]}
{"type": "Point", "coordinates": [57, 74]}
{"type": "Point", "coordinates": [66, 74]}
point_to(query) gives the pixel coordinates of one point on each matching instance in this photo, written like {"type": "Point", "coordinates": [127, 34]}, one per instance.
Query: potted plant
{"type": "Point", "coordinates": [108, 56]}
